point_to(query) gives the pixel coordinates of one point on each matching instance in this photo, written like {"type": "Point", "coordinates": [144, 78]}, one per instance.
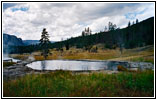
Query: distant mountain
{"type": "Point", "coordinates": [9, 41]}
{"type": "Point", "coordinates": [31, 42]}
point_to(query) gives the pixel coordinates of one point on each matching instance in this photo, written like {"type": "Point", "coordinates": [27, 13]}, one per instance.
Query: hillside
{"type": "Point", "coordinates": [32, 42]}
{"type": "Point", "coordinates": [137, 35]}
{"type": "Point", "coordinates": [9, 41]}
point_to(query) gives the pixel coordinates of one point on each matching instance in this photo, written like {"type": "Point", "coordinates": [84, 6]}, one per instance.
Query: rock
{"type": "Point", "coordinates": [144, 65]}
{"type": "Point", "coordinates": [141, 65]}
{"type": "Point", "coordinates": [112, 65]}
{"type": "Point", "coordinates": [121, 68]}
{"type": "Point", "coordinates": [13, 72]}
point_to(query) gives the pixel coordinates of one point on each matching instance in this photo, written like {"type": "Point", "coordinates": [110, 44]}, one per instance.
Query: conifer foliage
{"type": "Point", "coordinates": [44, 43]}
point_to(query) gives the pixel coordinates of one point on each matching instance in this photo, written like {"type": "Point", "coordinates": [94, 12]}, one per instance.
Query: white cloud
{"type": "Point", "coordinates": [64, 20]}
{"type": "Point", "coordinates": [150, 11]}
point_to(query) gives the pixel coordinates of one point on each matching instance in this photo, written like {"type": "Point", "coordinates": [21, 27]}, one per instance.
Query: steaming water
{"type": "Point", "coordinates": [5, 57]}
{"type": "Point", "coordinates": [68, 65]}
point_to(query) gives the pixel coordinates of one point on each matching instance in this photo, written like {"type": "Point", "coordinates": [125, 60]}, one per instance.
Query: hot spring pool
{"type": "Point", "coordinates": [72, 65]}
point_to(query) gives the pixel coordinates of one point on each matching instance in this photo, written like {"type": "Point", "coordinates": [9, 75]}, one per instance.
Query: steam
{"type": "Point", "coordinates": [31, 58]}
{"type": "Point", "coordinates": [5, 57]}
{"type": "Point", "coordinates": [7, 49]}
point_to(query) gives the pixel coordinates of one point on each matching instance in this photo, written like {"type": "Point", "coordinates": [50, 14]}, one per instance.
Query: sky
{"type": "Point", "coordinates": [66, 20]}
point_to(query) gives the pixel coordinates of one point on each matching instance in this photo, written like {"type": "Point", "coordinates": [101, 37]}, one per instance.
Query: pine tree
{"type": "Point", "coordinates": [129, 24]}
{"type": "Point", "coordinates": [67, 46]}
{"type": "Point", "coordinates": [133, 23]}
{"type": "Point", "coordinates": [90, 32]}
{"type": "Point", "coordinates": [44, 42]}
{"type": "Point", "coordinates": [83, 33]}
{"type": "Point", "coordinates": [136, 21]}
{"type": "Point", "coordinates": [105, 29]}
{"type": "Point", "coordinates": [109, 26]}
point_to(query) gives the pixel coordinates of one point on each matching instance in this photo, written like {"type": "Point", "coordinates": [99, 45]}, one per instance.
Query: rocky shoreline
{"type": "Point", "coordinates": [20, 69]}
{"type": "Point", "coordinates": [16, 70]}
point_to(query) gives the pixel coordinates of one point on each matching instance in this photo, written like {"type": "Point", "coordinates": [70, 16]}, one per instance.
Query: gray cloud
{"type": "Point", "coordinates": [64, 20]}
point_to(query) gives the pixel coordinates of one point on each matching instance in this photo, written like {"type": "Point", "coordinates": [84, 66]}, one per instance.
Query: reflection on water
{"type": "Point", "coordinates": [68, 65]}
{"type": "Point", "coordinates": [43, 65]}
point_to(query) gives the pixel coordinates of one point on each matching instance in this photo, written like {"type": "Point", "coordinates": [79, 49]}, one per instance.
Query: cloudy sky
{"type": "Point", "coordinates": [65, 20]}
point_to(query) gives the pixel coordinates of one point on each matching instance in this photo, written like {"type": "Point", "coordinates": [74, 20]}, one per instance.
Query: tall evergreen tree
{"type": "Point", "coordinates": [133, 23]}
{"type": "Point", "coordinates": [44, 42]}
{"type": "Point", "coordinates": [105, 29]}
{"type": "Point", "coordinates": [67, 46]}
{"type": "Point", "coordinates": [90, 32]}
{"type": "Point", "coordinates": [109, 26]}
{"type": "Point", "coordinates": [83, 33]}
{"type": "Point", "coordinates": [129, 24]}
{"type": "Point", "coordinates": [136, 21]}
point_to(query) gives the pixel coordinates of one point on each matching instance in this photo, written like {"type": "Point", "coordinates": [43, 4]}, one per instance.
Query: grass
{"type": "Point", "coordinates": [67, 84]}
{"type": "Point", "coordinates": [144, 59]}
{"type": "Point", "coordinates": [19, 56]}
{"type": "Point", "coordinates": [39, 57]}
{"type": "Point", "coordinates": [5, 64]}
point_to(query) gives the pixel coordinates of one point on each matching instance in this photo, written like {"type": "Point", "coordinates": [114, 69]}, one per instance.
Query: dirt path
{"type": "Point", "coordinates": [125, 58]}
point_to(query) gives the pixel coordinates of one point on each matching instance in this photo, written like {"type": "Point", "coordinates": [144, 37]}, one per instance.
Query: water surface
{"type": "Point", "coordinates": [71, 65]}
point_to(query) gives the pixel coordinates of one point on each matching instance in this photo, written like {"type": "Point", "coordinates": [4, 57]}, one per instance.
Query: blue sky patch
{"type": "Point", "coordinates": [22, 9]}
{"type": "Point", "coordinates": [130, 16]}
{"type": "Point", "coordinates": [7, 5]}
{"type": "Point", "coordinates": [133, 15]}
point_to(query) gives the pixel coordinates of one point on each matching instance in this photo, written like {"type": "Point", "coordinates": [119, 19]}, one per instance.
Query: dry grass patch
{"type": "Point", "coordinates": [20, 56]}
{"type": "Point", "coordinates": [5, 64]}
